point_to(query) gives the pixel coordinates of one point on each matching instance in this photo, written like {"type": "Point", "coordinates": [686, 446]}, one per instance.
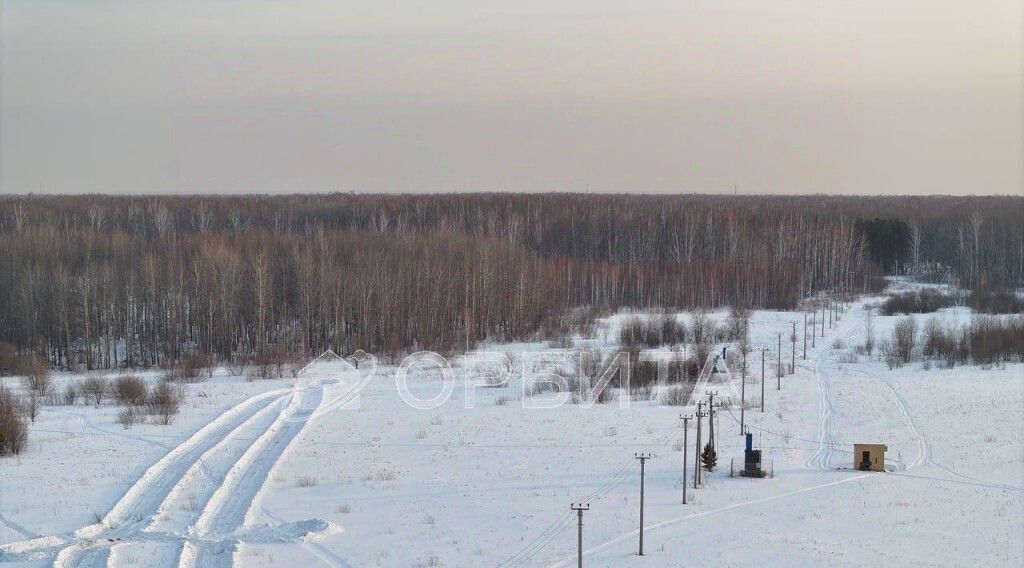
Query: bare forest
{"type": "Point", "coordinates": [100, 282]}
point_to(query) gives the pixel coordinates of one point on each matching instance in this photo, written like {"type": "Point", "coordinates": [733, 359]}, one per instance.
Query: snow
{"type": "Point", "coordinates": [481, 480]}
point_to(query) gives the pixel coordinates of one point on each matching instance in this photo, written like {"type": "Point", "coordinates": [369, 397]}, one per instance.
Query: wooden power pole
{"type": "Point", "coordinates": [792, 340]}
{"type": "Point", "coordinates": [579, 508]}
{"type": "Point", "coordinates": [763, 351]}
{"type": "Point", "coordinates": [778, 370]}
{"type": "Point", "coordinates": [686, 429]}
{"type": "Point", "coordinates": [643, 460]}
{"type": "Point", "coordinates": [805, 336]}
{"type": "Point", "coordinates": [696, 455]}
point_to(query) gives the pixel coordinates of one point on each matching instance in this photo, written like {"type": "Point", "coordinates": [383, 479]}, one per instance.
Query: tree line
{"type": "Point", "coordinates": [102, 281]}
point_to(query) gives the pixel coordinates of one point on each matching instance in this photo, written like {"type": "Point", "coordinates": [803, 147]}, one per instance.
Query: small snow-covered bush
{"type": "Point", "coordinates": [904, 338]}
{"type": "Point", "coordinates": [130, 390]}
{"type": "Point", "coordinates": [191, 369]}
{"type": "Point", "coordinates": [386, 475]}
{"type": "Point", "coordinates": [31, 405]}
{"type": "Point", "coordinates": [36, 373]}
{"type": "Point", "coordinates": [921, 302]}
{"type": "Point", "coordinates": [13, 427]}
{"type": "Point", "coordinates": [992, 298]}
{"type": "Point", "coordinates": [127, 417]}
{"type": "Point", "coordinates": [164, 402]}
{"type": "Point", "coordinates": [95, 388]}
{"type": "Point", "coordinates": [70, 394]}
{"type": "Point", "coordinates": [675, 396]}
{"type": "Point", "coordinates": [306, 481]}
{"type": "Point", "coordinates": [654, 331]}
{"type": "Point", "coordinates": [8, 358]}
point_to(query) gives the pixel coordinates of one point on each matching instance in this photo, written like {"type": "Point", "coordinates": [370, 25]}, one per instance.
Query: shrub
{"type": "Point", "coordinates": [130, 390]}
{"type": "Point", "coordinates": [32, 405]}
{"type": "Point", "coordinates": [164, 402]}
{"type": "Point", "coordinates": [996, 339]}
{"type": "Point", "coordinates": [933, 337]}
{"type": "Point", "coordinates": [654, 331]}
{"type": "Point", "coordinates": [95, 388]}
{"type": "Point", "coordinates": [70, 394]}
{"type": "Point", "coordinates": [642, 373]}
{"type": "Point", "coordinates": [13, 428]}
{"type": "Point", "coordinates": [8, 359]}
{"type": "Point", "coordinates": [676, 396]}
{"type": "Point", "coordinates": [36, 373]}
{"type": "Point", "coordinates": [127, 417]}
{"type": "Point", "coordinates": [191, 369]}
{"type": "Point", "coordinates": [904, 337]}
{"type": "Point", "coordinates": [701, 329]}
{"type": "Point", "coordinates": [306, 481]}
{"type": "Point", "coordinates": [236, 365]}
{"type": "Point", "coordinates": [919, 302]}
{"type": "Point", "coordinates": [738, 324]}
{"type": "Point", "coordinates": [869, 332]}
{"type": "Point", "coordinates": [701, 352]}
{"type": "Point", "coordinates": [269, 363]}
{"type": "Point", "coordinates": [994, 299]}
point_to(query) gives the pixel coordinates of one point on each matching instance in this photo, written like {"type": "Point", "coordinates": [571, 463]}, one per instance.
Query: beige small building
{"type": "Point", "coordinates": [869, 457]}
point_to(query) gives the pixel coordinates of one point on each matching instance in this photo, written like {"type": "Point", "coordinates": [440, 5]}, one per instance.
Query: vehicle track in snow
{"type": "Point", "coordinates": [214, 535]}
{"type": "Point", "coordinates": [15, 527]}
{"type": "Point", "coordinates": [193, 491]}
{"type": "Point", "coordinates": [823, 457]}
{"type": "Point", "coordinates": [89, 545]}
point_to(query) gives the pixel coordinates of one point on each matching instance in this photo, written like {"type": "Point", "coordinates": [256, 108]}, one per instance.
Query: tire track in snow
{"type": "Point", "coordinates": [141, 501]}
{"type": "Point", "coordinates": [15, 527]}
{"type": "Point", "coordinates": [823, 457]}
{"type": "Point", "coordinates": [213, 534]}
{"type": "Point", "coordinates": [209, 471]}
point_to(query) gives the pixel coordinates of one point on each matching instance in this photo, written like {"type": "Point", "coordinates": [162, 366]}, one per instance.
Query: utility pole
{"type": "Point", "coordinates": [696, 456]}
{"type": "Point", "coordinates": [643, 459]}
{"type": "Point", "coordinates": [686, 429]}
{"type": "Point", "coordinates": [814, 326]}
{"type": "Point", "coordinates": [743, 397]}
{"type": "Point", "coordinates": [711, 417]}
{"type": "Point", "coordinates": [778, 370]}
{"type": "Point", "coordinates": [579, 508]}
{"type": "Point", "coordinates": [763, 351]}
{"type": "Point", "coordinates": [792, 340]}
{"type": "Point", "coordinates": [805, 336]}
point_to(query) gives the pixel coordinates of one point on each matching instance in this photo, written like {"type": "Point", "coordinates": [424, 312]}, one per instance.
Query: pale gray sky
{"type": "Point", "coordinates": [153, 96]}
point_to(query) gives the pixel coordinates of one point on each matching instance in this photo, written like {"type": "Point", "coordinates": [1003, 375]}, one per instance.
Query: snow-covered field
{"type": "Point", "coordinates": [239, 478]}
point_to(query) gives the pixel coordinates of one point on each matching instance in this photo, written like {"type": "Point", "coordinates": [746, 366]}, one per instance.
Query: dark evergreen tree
{"type": "Point", "coordinates": [709, 457]}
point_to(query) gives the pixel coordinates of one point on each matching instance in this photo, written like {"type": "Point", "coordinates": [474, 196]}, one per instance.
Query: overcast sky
{"type": "Point", "coordinates": [251, 96]}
